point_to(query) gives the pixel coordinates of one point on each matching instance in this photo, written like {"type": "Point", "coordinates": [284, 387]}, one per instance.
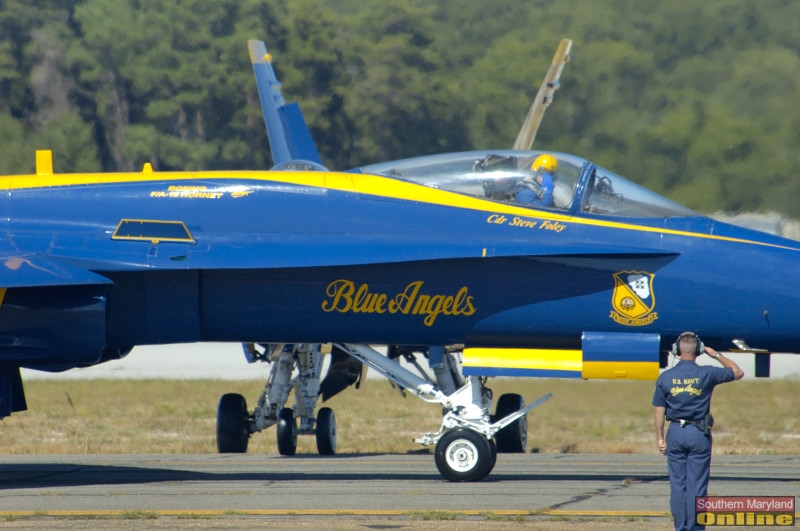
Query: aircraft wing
{"type": "Point", "coordinates": [289, 137]}
{"type": "Point", "coordinates": [21, 270]}
{"type": "Point", "coordinates": [544, 97]}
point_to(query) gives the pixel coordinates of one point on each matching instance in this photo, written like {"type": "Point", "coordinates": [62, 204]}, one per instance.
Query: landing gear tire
{"type": "Point", "coordinates": [493, 447]}
{"type": "Point", "coordinates": [286, 430]}
{"type": "Point", "coordinates": [513, 439]}
{"type": "Point", "coordinates": [463, 455]}
{"type": "Point", "coordinates": [233, 426]}
{"type": "Point", "coordinates": [326, 431]}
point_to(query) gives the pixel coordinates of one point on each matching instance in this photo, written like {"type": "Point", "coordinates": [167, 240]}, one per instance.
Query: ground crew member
{"type": "Point", "coordinates": [683, 396]}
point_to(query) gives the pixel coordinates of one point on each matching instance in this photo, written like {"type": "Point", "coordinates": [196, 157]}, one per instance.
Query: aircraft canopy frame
{"type": "Point", "coordinates": [579, 186]}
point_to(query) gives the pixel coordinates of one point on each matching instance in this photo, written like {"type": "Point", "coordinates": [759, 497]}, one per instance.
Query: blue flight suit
{"type": "Point", "coordinates": [526, 196]}
{"type": "Point", "coordinates": [685, 391]}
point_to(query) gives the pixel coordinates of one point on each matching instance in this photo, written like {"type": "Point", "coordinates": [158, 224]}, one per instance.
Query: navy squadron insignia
{"type": "Point", "coordinates": [633, 299]}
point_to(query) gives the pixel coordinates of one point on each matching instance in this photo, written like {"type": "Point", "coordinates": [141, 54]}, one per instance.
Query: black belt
{"type": "Point", "coordinates": [687, 421]}
{"type": "Point", "coordinates": [703, 424]}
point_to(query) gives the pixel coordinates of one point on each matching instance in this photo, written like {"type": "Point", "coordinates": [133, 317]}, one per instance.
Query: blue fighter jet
{"type": "Point", "coordinates": [432, 257]}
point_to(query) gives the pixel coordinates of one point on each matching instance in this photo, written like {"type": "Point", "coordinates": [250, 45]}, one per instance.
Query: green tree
{"type": "Point", "coordinates": [158, 74]}
{"type": "Point", "coordinates": [36, 85]}
{"type": "Point", "coordinates": [400, 104]}
{"type": "Point", "coordinates": [14, 158]}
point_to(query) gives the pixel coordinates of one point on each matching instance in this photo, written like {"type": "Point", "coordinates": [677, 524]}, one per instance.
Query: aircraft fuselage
{"type": "Point", "coordinates": [153, 258]}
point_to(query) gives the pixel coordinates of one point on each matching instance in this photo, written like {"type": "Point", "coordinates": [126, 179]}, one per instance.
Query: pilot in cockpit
{"type": "Point", "coordinates": [537, 188]}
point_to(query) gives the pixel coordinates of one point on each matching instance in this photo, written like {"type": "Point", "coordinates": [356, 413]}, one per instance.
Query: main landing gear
{"type": "Point", "coordinates": [235, 425]}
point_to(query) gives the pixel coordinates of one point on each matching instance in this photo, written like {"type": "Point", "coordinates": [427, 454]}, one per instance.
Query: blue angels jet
{"type": "Point", "coordinates": [435, 257]}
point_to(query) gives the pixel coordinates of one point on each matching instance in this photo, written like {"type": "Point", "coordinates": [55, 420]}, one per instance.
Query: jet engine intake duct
{"type": "Point", "coordinates": [53, 328]}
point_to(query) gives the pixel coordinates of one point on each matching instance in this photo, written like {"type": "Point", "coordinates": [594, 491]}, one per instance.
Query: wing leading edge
{"type": "Point", "coordinates": [31, 270]}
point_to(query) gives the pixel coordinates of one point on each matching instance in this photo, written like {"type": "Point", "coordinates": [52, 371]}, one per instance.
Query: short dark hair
{"type": "Point", "coordinates": [687, 342]}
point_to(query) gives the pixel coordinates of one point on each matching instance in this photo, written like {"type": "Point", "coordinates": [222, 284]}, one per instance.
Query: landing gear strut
{"type": "Point", "coordinates": [234, 425]}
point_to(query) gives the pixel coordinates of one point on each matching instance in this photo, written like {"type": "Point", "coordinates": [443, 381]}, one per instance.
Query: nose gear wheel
{"type": "Point", "coordinates": [463, 455]}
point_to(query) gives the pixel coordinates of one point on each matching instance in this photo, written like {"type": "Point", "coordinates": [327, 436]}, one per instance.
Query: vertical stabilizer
{"type": "Point", "coordinates": [544, 97]}
{"type": "Point", "coordinates": [289, 137]}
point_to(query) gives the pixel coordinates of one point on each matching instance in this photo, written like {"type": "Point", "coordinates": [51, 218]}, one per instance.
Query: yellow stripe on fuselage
{"type": "Point", "coordinates": [559, 360]}
{"type": "Point", "coordinates": [367, 184]}
{"type": "Point", "coordinates": [2, 295]}
{"type": "Point", "coordinates": [524, 358]}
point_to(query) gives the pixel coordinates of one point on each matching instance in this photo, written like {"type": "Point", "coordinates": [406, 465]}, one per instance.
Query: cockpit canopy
{"type": "Point", "coordinates": [500, 175]}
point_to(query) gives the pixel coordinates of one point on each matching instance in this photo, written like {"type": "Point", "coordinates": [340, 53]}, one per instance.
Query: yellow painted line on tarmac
{"type": "Point", "coordinates": [324, 512]}
{"type": "Point", "coordinates": [262, 512]}
{"type": "Point", "coordinates": [628, 514]}
{"type": "Point", "coordinates": [123, 514]}
{"type": "Point", "coordinates": [338, 512]}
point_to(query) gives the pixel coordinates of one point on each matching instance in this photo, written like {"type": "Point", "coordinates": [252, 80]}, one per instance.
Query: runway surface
{"type": "Point", "coordinates": [522, 486]}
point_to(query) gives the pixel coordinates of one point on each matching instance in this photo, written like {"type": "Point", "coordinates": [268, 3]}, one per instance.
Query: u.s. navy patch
{"type": "Point", "coordinates": [633, 299]}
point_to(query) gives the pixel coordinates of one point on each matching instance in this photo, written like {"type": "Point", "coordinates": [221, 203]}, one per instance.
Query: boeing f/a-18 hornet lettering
{"type": "Point", "coordinates": [505, 262]}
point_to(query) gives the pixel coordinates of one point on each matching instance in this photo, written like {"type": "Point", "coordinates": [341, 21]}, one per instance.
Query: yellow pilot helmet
{"type": "Point", "coordinates": [545, 163]}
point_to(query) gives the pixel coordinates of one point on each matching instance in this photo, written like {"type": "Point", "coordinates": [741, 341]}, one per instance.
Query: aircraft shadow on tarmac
{"type": "Point", "coordinates": [43, 475]}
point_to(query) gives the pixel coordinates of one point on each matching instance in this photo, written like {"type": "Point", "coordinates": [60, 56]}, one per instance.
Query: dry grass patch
{"type": "Point", "coordinates": [165, 416]}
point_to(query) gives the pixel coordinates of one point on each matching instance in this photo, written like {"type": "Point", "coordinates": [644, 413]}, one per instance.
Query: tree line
{"type": "Point", "coordinates": [695, 100]}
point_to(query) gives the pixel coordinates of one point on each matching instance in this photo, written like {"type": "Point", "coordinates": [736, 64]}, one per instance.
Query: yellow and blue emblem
{"type": "Point", "coordinates": [633, 299]}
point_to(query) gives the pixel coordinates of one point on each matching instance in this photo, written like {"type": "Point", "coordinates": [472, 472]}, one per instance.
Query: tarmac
{"type": "Point", "coordinates": [244, 490]}
{"type": "Point", "coordinates": [249, 491]}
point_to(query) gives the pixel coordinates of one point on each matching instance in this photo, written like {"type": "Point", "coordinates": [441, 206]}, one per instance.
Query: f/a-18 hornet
{"type": "Point", "coordinates": [506, 262]}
